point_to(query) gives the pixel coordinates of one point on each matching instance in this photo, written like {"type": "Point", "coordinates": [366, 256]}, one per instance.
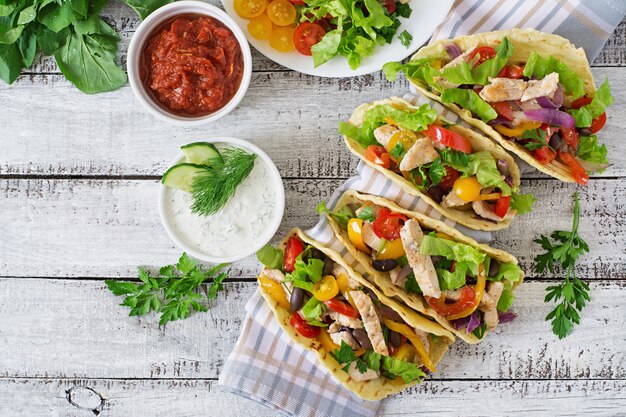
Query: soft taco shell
{"type": "Point", "coordinates": [382, 279]}
{"type": "Point", "coordinates": [479, 143]}
{"type": "Point", "coordinates": [525, 41]}
{"type": "Point", "coordinates": [368, 390]}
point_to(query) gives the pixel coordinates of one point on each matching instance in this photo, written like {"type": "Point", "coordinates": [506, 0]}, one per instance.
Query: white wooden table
{"type": "Point", "coordinates": [79, 179]}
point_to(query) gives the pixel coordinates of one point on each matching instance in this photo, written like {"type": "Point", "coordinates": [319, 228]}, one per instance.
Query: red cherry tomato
{"type": "Point", "coordinates": [388, 226]}
{"type": "Point", "coordinates": [306, 35]}
{"type": "Point", "coordinates": [324, 23]}
{"type": "Point", "coordinates": [378, 155]}
{"type": "Point", "coordinates": [465, 301]}
{"type": "Point", "coordinates": [511, 71]}
{"type": "Point", "coordinates": [578, 172]}
{"type": "Point", "coordinates": [485, 52]}
{"type": "Point", "coordinates": [596, 124]}
{"type": "Point", "coordinates": [304, 328]}
{"type": "Point", "coordinates": [342, 308]}
{"type": "Point", "coordinates": [451, 176]}
{"type": "Point", "coordinates": [570, 136]}
{"type": "Point", "coordinates": [297, 2]}
{"type": "Point", "coordinates": [448, 138]}
{"type": "Point", "coordinates": [293, 248]}
{"type": "Point", "coordinates": [502, 206]}
{"type": "Point", "coordinates": [544, 155]}
{"type": "Point", "coordinates": [390, 5]}
{"type": "Point", "coordinates": [504, 109]}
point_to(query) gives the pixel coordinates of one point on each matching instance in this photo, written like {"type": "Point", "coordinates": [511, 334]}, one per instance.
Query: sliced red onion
{"type": "Point", "coordinates": [506, 317]}
{"type": "Point", "coordinates": [453, 50]}
{"type": "Point", "coordinates": [558, 144]}
{"type": "Point", "coordinates": [552, 116]}
{"type": "Point", "coordinates": [501, 121]}
{"type": "Point", "coordinates": [461, 323]}
{"type": "Point", "coordinates": [554, 103]}
{"type": "Point", "coordinates": [425, 370]}
{"type": "Point", "coordinates": [474, 322]}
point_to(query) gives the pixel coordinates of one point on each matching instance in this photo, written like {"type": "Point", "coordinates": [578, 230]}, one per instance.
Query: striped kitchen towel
{"type": "Point", "coordinates": [265, 365]}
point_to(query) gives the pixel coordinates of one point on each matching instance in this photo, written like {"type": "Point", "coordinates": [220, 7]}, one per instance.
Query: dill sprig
{"type": "Point", "coordinates": [216, 184]}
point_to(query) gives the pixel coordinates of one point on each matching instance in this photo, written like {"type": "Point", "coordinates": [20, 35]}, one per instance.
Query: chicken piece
{"type": "Point", "coordinates": [490, 316]}
{"type": "Point", "coordinates": [371, 321]}
{"type": "Point", "coordinates": [370, 206]}
{"type": "Point", "coordinates": [452, 295]}
{"type": "Point", "coordinates": [344, 320]}
{"type": "Point", "coordinates": [539, 88]}
{"type": "Point", "coordinates": [369, 237]}
{"type": "Point", "coordinates": [484, 210]}
{"type": "Point", "coordinates": [356, 375]}
{"type": "Point", "coordinates": [399, 276]}
{"type": "Point", "coordinates": [486, 302]}
{"type": "Point", "coordinates": [452, 200]}
{"type": "Point", "coordinates": [339, 270]}
{"type": "Point", "coordinates": [422, 152]}
{"type": "Point", "coordinates": [384, 133]}
{"type": "Point", "coordinates": [423, 268]}
{"type": "Point", "coordinates": [503, 89]}
{"type": "Point", "coordinates": [531, 104]}
{"type": "Point", "coordinates": [423, 336]}
{"type": "Point", "coordinates": [344, 336]}
{"type": "Point", "coordinates": [279, 277]}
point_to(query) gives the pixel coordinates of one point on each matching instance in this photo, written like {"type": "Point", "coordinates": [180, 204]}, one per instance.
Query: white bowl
{"type": "Point", "coordinates": [147, 27]}
{"type": "Point", "coordinates": [262, 239]}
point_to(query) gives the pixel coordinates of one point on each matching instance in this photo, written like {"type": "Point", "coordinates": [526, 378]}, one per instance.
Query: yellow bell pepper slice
{"type": "Point", "coordinates": [391, 249]}
{"type": "Point", "coordinates": [519, 130]}
{"type": "Point", "coordinates": [406, 353]}
{"type": "Point", "coordinates": [355, 234]}
{"type": "Point", "coordinates": [491, 196]}
{"type": "Point", "coordinates": [275, 290]}
{"type": "Point", "coordinates": [407, 332]}
{"type": "Point", "coordinates": [479, 289]}
{"type": "Point", "coordinates": [327, 342]}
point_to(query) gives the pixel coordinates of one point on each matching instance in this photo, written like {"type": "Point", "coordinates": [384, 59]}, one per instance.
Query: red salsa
{"type": "Point", "coordinates": [192, 65]}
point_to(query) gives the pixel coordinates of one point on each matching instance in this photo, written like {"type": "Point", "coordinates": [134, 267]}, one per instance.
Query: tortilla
{"type": "Point", "coordinates": [478, 142]}
{"type": "Point", "coordinates": [525, 41]}
{"type": "Point", "coordinates": [368, 390]}
{"type": "Point", "coordinates": [382, 279]}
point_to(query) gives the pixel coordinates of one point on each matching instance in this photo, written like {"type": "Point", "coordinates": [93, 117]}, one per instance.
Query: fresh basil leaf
{"type": "Point", "coordinates": [57, 17]}
{"type": "Point", "coordinates": [145, 7]}
{"type": "Point", "coordinates": [11, 63]}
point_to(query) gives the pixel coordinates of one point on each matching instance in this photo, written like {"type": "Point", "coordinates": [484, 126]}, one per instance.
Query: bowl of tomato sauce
{"type": "Point", "coordinates": [189, 63]}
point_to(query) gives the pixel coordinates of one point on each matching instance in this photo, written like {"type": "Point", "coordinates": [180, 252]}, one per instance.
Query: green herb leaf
{"type": "Point", "coordinates": [537, 137]}
{"type": "Point", "coordinates": [270, 257]}
{"type": "Point", "coordinates": [367, 214]}
{"type": "Point", "coordinates": [411, 285]}
{"type": "Point", "coordinates": [539, 67]}
{"type": "Point", "coordinates": [145, 7]}
{"type": "Point", "coordinates": [342, 216]}
{"type": "Point", "coordinates": [406, 38]}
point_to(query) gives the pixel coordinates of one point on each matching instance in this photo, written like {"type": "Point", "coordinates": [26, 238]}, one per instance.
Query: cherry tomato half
{"type": "Point", "coordinates": [326, 288]}
{"type": "Point", "coordinates": [450, 178]}
{"type": "Point", "coordinates": [293, 249]}
{"type": "Point", "coordinates": [465, 301]}
{"type": "Point", "coordinates": [306, 35]}
{"type": "Point", "coordinates": [250, 8]}
{"type": "Point", "coordinates": [304, 328]}
{"type": "Point", "coordinates": [390, 5]}
{"type": "Point", "coordinates": [511, 71]}
{"type": "Point", "coordinates": [578, 172]}
{"type": "Point", "coordinates": [342, 308]}
{"type": "Point", "coordinates": [281, 12]}
{"type": "Point", "coordinates": [596, 124]}
{"type": "Point", "coordinates": [504, 109]}
{"type": "Point", "coordinates": [388, 226]}
{"type": "Point", "coordinates": [544, 155]}
{"type": "Point", "coordinates": [502, 206]}
{"type": "Point", "coordinates": [281, 38]}
{"type": "Point", "coordinates": [484, 53]}
{"type": "Point", "coordinates": [448, 138]}
{"type": "Point", "coordinates": [378, 155]}
{"type": "Point", "coordinates": [260, 27]}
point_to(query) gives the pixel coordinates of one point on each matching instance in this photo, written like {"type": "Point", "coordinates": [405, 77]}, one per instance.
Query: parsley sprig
{"type": "Point", "coordinates": [538, 139]}
{"type": "Point", "coordinates": [172, 295]}
{"type": "Point", "coordinates": [573, 294]}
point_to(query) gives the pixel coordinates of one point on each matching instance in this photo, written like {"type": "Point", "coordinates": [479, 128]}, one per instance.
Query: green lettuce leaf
{"type": "Point", "coordinates": [523, 203]}
{"type": "Point", "coordinates": [460, 252]}
{"type": "Point", "coordinates": [418, 70]}
{"type": "Point", "coordinates": [508, 271]}
{"type": "Point", "coordinates": [464, 73]}
{"type": "Point", "coordinates": [327, 48]}
{"type": "Point", "coordinates": [468, 99]}
{"type": "Point", "coordinates": [312, 312]}
{"type": "Point", "coordinates": [408, 371]}
{"type": "Point", "coordinates": [506, 299]}
{"type": "Point", "coordinates": [342, 216]}
{"type": "Point", "coordinates": [590, 150]}
{"type": "Point", "coordinates": [483, 165]}
{"type": "Point", "coordinates": [537, 66]}
{"type": "Point", "coordinates": [312, 268]}
{"type": "Point", "coordinates": [270, 257]}
{"type": "Point", "coordinates": [603, 99]}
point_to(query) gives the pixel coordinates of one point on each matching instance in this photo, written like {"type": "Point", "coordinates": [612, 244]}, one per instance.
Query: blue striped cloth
{"type": "Point", "coordinates": [265, 365]}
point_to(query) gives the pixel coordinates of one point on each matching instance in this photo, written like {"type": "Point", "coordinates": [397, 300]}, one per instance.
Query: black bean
{"type": "Point", "coordinates": [494, 268]}
{"type": "Point", "coordinates": [297, 299]}
{"type": "Point", "coordinates": [361, 336]}
{"type": "Point", "coordinates": [313, 253]}
{"type": "Point", "coordinates": [395, 339]}
{"type": "Point", "coordinates": [328, 266]}
{"type": "Point", "coordinates": [437, 193]}
{"type": "Point", "coordinates": [585, 131]}
{"type": "Point", "coordinates": [503, 166]}
{"type": "Point", "coordinates": [390, 313]}
{"type": "Point", "coordinates": [384, 265]}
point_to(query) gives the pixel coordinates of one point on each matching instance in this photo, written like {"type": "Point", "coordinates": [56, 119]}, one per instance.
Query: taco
{"type": "Point", "coordinates": [370, 343]}
{"type": "Point", "coordinates": [464, 286]}
{"type": "Point", "coordinates": [532, 92]}
{"type": "Point", "coordinates": [461, 173]}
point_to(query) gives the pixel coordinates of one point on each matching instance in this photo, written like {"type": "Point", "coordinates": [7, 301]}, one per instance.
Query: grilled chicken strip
{"type": "Point", "coordinates": [423, 268]}
{"type": "Point", "coordinates": [422, 152]}
{"type": "Point", "coordinates": [371, 321]}
{"type": "Point", "coordinates": [384, 133]}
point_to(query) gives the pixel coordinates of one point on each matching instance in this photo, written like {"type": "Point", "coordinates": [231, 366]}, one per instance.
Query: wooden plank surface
{"type": "Point", "coordinates": [76, 329]}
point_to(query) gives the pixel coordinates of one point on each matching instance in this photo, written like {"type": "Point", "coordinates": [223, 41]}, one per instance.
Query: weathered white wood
{"type": "Point", "coordinates": [176, 398]}
{"type": "Point", "coordinates": [57, 130]}
{"type": "Point", "coordinates": [76, 329]}
{"type": "Point", "coordinates": [100, 228]}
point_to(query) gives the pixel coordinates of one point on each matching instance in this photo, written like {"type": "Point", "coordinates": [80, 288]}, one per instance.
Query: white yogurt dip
{"type": "Point", "coordinates": [238, 227]}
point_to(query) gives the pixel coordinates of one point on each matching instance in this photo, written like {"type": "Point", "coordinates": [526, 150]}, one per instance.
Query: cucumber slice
{"type": "Point", "coordinates": [180, 176]}
{"type": "Point", "coordinates": [201, 152]}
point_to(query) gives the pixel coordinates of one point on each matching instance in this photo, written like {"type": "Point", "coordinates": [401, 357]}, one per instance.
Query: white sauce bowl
{"type": "Point", "coordinates": [165, 210]}
{"type": "Point", "coordinates": [146, 29]}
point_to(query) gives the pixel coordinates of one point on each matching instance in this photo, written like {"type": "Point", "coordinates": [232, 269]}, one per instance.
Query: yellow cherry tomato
{"type": "Point", "coordinates": [281, 38]}
{"type": "Point", "coordinates": [355, 233]}
{"type": "Point", "coordinates": [326, 288]}
{"type": "Point", "coordinates": [406, 353]}
{"type": "Point", "coordinates": [405, 137]}
{"type": "Point", "coordinates": [519, 130]}
{"type": "Point", "coordinates": [327, 342]}
{"type": "Point", "coordinates": [260, 27]}
{"type": "Point", "coordinates": [281, 12]}
{"type": "Point", "coordinates": [391, 250]}
{"type": "Point", "coordinates": [250, 8]}
{"type": "Point", "coordinates": [467, 189]}
{"type": "Point", "coordinates": [342, 283]}
{"type": "Point", "coordinates": [274, 290]}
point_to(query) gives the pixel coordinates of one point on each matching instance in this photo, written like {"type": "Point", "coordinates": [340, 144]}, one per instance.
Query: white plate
{"type": "Point", "coordinates": [426, 16]}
